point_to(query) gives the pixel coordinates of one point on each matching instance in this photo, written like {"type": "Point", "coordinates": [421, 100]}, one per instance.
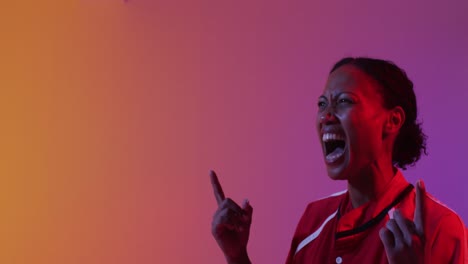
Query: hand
{"type": "Point", "coordinates": [231, 225]}
{"type": "Point", "coordinates": [403, 239]}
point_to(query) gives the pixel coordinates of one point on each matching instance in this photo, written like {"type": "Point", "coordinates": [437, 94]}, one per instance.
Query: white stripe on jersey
{"type": "Point", "coordinates": [315, 234]}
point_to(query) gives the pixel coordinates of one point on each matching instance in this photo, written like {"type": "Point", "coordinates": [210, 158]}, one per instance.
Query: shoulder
{"type": "Point", "coordinates": [320, 210]}
{"type": "Point", "coordinates": [326, 205]}
{"type": "Point", "coordinates": [443, 219]}
{"type": "Point", "coordinates": [434, 211]}
{"type": "Point", "coordinates": [445, 232]}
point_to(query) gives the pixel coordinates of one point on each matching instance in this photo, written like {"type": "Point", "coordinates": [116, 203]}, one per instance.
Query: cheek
{"type": "Point", "coordinates": [318, 122]}
{"type": "Point", "coordinates": [361, 129]}
{"type": "Point", "coordinates": [365, 118]}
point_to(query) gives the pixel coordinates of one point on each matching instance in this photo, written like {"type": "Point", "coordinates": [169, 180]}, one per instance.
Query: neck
{"type": "Point", "coordinates": [370, 183]}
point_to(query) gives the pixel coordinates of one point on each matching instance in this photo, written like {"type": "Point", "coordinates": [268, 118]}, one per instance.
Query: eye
{"type": "Point", "coordinates": [321, 105]}
{"type": "Point", "coordinates": [345, 101]}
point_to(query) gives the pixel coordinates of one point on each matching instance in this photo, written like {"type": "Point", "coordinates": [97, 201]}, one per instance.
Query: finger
{"type": "Point", "coordinates": [405, 227]}
{"type": "Point", "coordinates": [387, 239]}
{"type": "Point", "coordinates": [419, 209]}
{"type": "Point", "coordinates": [229, 203]}
{"type": "Point", "coordinates": [232, 216]}
{"type": "Point", "coordinates": [225, 219]}
{"type": "Point", "coordinates": [218, 191]}
{"type": "Point", "coordinates": [393, 227]}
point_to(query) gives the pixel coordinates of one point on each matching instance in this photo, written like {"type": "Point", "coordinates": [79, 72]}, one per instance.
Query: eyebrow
{"type": "Point", "coordinates": [338, 95]}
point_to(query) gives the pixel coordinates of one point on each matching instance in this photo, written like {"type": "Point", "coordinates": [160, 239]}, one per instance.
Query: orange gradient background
{"type": "Point", "coordinates": [113, 112]}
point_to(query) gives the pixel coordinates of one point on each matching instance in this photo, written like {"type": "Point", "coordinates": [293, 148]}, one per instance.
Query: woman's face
{"type": "Point", "coordinates": [350, 122]}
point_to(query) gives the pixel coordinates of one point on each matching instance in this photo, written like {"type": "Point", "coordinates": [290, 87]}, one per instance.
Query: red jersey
{"type": "Point", "coordinates": [332, 231]}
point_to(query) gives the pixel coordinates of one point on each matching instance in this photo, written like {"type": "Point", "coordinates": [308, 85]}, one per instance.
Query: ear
{"type": "Point", "coordinates": [395, 119]}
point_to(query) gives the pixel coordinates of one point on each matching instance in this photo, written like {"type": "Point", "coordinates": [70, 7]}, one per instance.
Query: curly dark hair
{"type": "Point", "coordinates": [397, 90]}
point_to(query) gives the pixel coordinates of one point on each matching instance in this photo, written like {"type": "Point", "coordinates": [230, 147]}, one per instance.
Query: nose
{"type": "Point", "coordinates": [328, 117]}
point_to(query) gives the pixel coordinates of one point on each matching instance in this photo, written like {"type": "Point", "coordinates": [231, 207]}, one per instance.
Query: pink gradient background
{"type": "Point", "coordinates": [113, 112]}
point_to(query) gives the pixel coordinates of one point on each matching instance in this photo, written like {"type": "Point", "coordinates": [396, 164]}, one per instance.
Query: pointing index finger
{"type": "Point", "coordinates": [218, 191]}
{"type": "Point", "coordinates": [419, 210]}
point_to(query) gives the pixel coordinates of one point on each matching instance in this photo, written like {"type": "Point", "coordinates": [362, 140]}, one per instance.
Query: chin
{"type": "Point", "coordinates": [336, 175]}
{"type": "Point", "coordinates": [338, 170]}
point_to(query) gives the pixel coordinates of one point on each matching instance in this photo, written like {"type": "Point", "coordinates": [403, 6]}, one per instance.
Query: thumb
{"type": "Point", "coordinates": [248, 210]}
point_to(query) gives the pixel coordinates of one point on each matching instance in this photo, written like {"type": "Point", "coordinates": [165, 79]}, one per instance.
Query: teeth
{"type": "Point", "coordinates": [330, 136]}
{"type": "Point", "coordinates": [335, 155]}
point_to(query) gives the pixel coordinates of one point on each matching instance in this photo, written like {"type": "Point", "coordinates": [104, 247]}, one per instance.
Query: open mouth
{"type": "Point", "coordinates": [335, 145]}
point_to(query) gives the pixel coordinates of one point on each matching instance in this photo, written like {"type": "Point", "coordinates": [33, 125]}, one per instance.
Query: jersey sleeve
{"type": "Point", "coordinates": [449, 243]}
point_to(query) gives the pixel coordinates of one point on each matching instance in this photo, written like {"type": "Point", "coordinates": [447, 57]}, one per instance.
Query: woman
{"type": "Point", "coordinates": [367, 124]}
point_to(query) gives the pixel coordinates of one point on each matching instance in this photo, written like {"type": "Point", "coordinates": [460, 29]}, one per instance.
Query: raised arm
{"type": "Point", "coordinates": [231, 225]}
